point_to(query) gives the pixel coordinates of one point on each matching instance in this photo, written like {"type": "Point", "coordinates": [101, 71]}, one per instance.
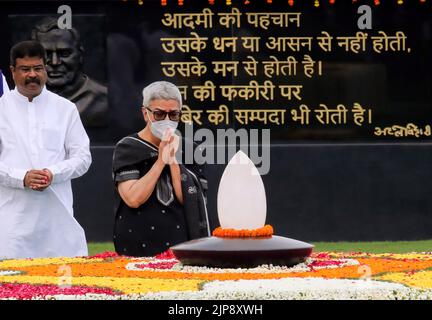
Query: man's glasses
{"type": "Point", "coordinates": [161, 115]}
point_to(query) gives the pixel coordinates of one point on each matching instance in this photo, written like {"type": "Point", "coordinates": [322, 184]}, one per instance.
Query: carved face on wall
{"type": "Point", "coordinates": [64, 58]}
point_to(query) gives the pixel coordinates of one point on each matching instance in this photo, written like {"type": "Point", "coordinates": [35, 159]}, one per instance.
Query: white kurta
{"type": "Point", "coordinates": [5, 85]}
{"type": "Point", "coordinates": [44, 133]}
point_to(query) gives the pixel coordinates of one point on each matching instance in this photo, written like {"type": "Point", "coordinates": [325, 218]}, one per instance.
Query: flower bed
{"type": "Point", "coordinates": [325, 275]}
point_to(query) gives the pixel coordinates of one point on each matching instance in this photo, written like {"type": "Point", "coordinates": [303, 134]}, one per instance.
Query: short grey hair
{"type": "Point", "coordinates": [161, 90]}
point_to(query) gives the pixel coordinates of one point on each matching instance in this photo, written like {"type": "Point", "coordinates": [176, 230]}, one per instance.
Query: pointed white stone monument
{"type": "Point", "coordinates": [241, 204]}
{"type": "Point", "coordinates": [241, 199]}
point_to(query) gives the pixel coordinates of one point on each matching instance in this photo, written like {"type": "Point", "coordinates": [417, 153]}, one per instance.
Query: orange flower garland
{"type": "Point", "coordinates": [266, 231]}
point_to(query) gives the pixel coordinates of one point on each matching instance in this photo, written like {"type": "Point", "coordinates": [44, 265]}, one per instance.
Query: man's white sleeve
{"type": "Point", "coordinates": [11, 177]}
{"type": "Point", "coordinates": [78, 157]}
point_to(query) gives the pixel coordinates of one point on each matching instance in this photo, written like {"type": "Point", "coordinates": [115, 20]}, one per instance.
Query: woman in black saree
{"type": "Point", "coordinates": [161, 202]}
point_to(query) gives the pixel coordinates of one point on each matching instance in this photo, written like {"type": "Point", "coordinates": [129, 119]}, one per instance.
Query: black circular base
{"type": "Point", "coordinates": [242, 252]}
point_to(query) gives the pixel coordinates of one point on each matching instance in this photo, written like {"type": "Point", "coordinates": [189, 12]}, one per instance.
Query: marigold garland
{"type": "Point", "coordinates": [265, 231]}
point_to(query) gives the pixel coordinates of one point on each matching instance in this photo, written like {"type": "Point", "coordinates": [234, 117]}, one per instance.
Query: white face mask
{"type": "Point", "coordinates": [158, 128]}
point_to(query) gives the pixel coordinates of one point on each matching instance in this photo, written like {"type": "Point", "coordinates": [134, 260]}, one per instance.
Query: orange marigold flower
{"type": "Point", "coordinates": [265, 231]}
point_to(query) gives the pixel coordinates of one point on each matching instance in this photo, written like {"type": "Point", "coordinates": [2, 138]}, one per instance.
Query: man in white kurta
{"type": "Point", "coordinates": [44, 133]}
